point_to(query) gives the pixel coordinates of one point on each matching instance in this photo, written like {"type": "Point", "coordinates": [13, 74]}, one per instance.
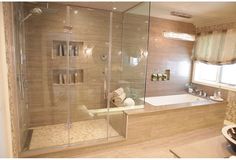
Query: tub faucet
{"type": "Point", "coordinates": [198, 92]}
{"type": "Point", "coordinates": [204, 94]}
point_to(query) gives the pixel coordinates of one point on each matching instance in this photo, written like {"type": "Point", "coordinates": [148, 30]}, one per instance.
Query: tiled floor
{"type": "Point", "coordinates": [154, 148]}
{"type": "Point", "coordinates": [54, 135]}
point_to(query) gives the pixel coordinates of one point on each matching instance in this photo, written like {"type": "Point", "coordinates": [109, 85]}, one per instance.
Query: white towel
{"type": "Point", "coordinates": [129, 102]}
{"type": "Point", "coordinates": [118, 100]}
{"type": "Point", "coordinates": [118, 92]}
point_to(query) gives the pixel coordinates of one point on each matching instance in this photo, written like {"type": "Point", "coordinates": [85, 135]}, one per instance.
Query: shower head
{"type": "Point", "coordinates": [39, 11]}
{"type": "Point", "coordinates": [34, 11]}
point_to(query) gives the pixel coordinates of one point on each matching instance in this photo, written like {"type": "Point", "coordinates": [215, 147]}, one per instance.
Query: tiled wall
{"type": "Point", "coordinates": [168, 54]}
{"type": "Point", "coordinates": [229, 96]}
{"type": "Point", "coordinates": [16, 134]}
{"type": "Point", "coordinates": [231, 107]}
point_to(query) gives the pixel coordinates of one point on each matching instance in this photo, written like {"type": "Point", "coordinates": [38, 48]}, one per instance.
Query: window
{"type": "Point", "coordinates": [216, 76]}
{"type": "Point", "coordinates": [228, 74]}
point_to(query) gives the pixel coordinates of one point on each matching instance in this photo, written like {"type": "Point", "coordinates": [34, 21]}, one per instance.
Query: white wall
{"type": "Point", "coordinates": [5, 128]}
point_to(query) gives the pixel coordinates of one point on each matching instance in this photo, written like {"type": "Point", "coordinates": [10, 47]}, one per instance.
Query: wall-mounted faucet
{"type": "Point", "coordinates": [161, 76]}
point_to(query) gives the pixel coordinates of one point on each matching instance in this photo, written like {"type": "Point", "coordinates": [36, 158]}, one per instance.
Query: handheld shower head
{"type": "Point", "coordinates": [34, 11]}
{"type": "Point", "coordinates": [39, 11]}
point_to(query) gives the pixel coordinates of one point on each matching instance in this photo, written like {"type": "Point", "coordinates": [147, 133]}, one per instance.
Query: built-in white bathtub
{"type": "Point", "coordinates": [172, 99]}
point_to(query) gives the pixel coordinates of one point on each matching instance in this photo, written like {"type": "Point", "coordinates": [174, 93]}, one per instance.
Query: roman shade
{"type": "Point", "coordinates": [216, 47]}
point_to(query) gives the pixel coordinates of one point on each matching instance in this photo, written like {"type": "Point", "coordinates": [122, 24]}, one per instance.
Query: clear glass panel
{"type": "Point", "coordinates": [42, 29]}
{"type": "Point", "coordinates": [20, 67]}
{"type": "Point", "coordinates": [116, 117]}
{"type": "Point", "coordinates": [89, 47]}
{"type": "Point", "coordinates": [68, 59]}
{"type": "Point", "coordinates": [128, 69]}
{"type": "Point", "coordinates": [134, 54]}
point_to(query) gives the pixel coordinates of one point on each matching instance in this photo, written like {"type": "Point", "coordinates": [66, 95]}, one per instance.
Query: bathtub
{"type": "Point", "coordinates": [172, 99]}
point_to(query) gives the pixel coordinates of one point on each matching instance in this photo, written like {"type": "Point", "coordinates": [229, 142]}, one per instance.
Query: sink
{"type": "Point", "coordinates": [229, 133]}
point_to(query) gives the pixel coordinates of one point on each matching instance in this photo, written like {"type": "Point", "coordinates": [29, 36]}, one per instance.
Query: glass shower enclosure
{"type": "Point", "coordinates": [69, 60]}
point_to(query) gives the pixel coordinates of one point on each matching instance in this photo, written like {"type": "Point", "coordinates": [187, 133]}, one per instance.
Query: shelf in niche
{"type": "Point", "coordinates": [61, 77]}
{"type": "Point", "coordinates": [71, 84]}
{"type": "Point", "coordinates": [59, 48]}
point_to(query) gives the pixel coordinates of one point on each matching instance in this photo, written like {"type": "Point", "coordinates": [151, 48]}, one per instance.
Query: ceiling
{"type": "Point", "coordinates": [203, 13]}
{"type": "Point", "coordinates": [120, 6]}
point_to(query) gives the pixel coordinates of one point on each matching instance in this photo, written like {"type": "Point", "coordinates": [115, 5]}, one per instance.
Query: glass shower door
{"type": "Point", "coordinates": [45, 82]}
{"type": "Point", "coordinates": [88, 71]}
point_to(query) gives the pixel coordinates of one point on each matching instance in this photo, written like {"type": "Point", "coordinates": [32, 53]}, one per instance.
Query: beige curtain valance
{"type": "Point", "coordinates": [216, 47]}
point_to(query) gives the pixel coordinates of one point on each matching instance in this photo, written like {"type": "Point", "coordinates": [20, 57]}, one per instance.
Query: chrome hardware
{"type": "Point", "coordinates": [154, 77]}
{"type": "Point", "coordinates": [161, 76]}
{"type": "Point", "coordinates": [200, 93]}
{"type": "Point", "coordinates": [68, 29]}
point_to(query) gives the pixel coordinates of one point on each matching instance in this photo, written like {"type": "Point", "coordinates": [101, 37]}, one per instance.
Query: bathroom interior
{"type": "Point", "coordinates": [88, 78]}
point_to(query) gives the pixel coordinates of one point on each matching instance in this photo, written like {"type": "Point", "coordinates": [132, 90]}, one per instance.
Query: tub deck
{"type": "Point", "coordinates": [151, 108]}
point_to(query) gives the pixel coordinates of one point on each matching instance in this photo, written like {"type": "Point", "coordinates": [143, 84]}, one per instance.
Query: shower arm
{"type": "Point", "coordinates": [29, 15]}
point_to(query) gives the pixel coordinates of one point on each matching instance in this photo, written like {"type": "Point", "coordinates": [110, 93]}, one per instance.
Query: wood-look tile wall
{"type": "Point", "coordinates": [168, 54]}
{"type": "Point", "coordinates": [12, 84]}
{"type": "Point", "coordinates": [171, 122]}
{"type": "Point", "coordinates": [156, 125]}
{"type": "Point", "coordinates": [228, 96]}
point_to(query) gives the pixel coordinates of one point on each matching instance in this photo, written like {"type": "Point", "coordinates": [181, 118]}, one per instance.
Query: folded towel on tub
{"type": "Point", "coordinates": [118, 100]}
{"type": "Point", "coordinates": [118, 92]}
{"type": "Point", "coordinates": [129, 102]}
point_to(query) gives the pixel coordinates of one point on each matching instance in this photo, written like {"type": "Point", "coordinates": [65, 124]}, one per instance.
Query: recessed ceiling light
{"type": "Point", "coordinates": [114, 8]}
{"type": "Point", "coordinates": [179, 36]}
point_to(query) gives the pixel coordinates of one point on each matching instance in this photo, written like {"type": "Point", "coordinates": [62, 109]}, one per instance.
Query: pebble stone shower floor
{"type": "Point", "coordinates": [55, 135]}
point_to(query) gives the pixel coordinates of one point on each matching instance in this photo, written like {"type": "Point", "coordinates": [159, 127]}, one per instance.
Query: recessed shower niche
{"type": "Point", "coordinates": [71, 77]}
{"type": "Point", "coordinates": [68, 76]}
{"type": "Point", "coordinates": [61, 49]}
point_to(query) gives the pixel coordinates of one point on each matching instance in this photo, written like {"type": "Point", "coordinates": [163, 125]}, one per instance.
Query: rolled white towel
{"type": "Point", "coordinates": [118, 92]}
{"type": "Point", "coordinates": [118, 100]}
{"type": "Point", "coordinates": [129, 102]}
